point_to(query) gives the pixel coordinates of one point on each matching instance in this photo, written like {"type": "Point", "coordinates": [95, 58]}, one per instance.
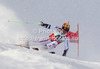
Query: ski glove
{"type": "Point", "coordinates": [65, 51]}
{"type": "Point", "coordinates": [45, 25]}
{"type": "Point", "coordinates": [42, 24]}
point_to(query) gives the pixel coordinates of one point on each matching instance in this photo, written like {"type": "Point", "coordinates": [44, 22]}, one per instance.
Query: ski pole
{"type": "Point", "coordinates": [23, 22]}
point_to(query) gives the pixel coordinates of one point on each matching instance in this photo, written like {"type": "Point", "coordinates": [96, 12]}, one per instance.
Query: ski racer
{"type": "Point", "coordinates": [59, 36]}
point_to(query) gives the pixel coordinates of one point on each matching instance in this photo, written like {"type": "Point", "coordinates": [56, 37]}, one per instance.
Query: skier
{"type": "Point", "coordinates": [59, 36]}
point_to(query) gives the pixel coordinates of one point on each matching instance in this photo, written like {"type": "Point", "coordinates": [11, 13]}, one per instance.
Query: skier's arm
{"type": "Point", "coordinates": [65, 48]}
{"type": "Point", "coordinates": [48, 26]}
{"type": "Point", "coordinates": [45, 25]}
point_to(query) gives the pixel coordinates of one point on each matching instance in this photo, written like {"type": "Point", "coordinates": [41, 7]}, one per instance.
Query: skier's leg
{"type": "Point", "coordinates": [43, 42]}
{"type": "Point", "coordinates": [34, 45]}
{"type": "Point", "coordinates": [52, 45]}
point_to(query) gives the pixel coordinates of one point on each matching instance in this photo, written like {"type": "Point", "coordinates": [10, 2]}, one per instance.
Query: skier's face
{"type": "Point", "coordinates": [64, 31]}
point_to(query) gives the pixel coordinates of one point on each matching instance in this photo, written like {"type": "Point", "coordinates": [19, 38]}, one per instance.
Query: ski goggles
{"type": "Point", "coordinates": [66, 29]}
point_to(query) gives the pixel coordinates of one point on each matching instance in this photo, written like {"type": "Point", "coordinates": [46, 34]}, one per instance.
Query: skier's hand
{"type": "Point", "coordinates": [45, 25]}
{"type": "Point", "coordinates": [58, 37]}
{"type": "Point", "coordinates": [41, 23]}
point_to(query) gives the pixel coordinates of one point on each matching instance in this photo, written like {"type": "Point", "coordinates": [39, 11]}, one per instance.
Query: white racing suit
{"type": "Point", "coordinates": [56, 38]}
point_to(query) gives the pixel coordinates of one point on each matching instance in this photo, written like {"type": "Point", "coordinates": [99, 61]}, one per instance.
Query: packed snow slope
{"type": "Point", "coordinates": [14, 57]}
{"type": "Point", "coordinates": [54, 12]}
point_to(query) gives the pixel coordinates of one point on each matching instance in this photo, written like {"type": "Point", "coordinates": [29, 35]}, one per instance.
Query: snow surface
{"type": "Point", "coordinates": [14, 57]}
{"type": "Point", "coordinates": [54, 12]}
